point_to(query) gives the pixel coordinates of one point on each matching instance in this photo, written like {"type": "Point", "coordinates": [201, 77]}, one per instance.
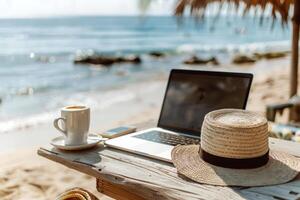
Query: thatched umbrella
{"type": "Point", "coordinates": [278, 7]}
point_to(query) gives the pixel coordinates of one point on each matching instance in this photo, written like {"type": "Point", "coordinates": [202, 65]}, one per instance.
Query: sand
{"type": "Point", "coordinates": [24, 175]}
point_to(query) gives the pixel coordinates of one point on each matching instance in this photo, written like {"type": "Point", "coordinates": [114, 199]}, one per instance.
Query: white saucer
{"type": "Point", "coordinates": [93, 140]}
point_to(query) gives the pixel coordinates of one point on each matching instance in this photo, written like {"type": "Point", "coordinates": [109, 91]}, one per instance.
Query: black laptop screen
{"type": "Point", "coordinates": [190, 95]}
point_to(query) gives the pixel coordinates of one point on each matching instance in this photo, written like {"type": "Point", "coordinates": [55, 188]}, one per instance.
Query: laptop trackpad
{"type": "Point", "coordinates": [154, 149]}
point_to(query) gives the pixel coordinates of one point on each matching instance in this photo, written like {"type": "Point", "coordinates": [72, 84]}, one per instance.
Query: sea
{"type": "Point", "coordinates": [37, 74]}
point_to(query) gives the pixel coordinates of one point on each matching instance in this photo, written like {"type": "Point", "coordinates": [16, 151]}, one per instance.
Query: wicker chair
{"type": "Point", "coordinates": [76, 194]}
{"type": "Point", "coordinates": [289, 130]}
{"type": "Point", "coordinates": [293, 105]}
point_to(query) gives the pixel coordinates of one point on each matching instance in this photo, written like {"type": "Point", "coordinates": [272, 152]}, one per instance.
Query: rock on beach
{"type": "Point", "coordinates": [194, 60]}
{"type": "Point", "coordinates": [107, 60]}
{"type": "Point", "coordinates": [156, 54]}
{"type": "Point", "coordinates": [270, 55]}
{"type": "Point", "coordinates": [243, 59]}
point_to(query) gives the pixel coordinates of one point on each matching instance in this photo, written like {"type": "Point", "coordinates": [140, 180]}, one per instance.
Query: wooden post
{"type": "Point", "coordinates": [295, 49]}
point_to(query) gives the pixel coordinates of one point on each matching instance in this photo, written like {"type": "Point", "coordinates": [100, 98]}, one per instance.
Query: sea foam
{"type": "Point", "coordinates": [95, 100]}
{"type": "Point", "coordinates": [235, 48]}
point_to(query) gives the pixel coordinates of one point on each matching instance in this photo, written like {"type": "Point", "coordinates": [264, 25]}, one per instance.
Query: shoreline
{"type": "Point", "coordinates": [96, 100]}
{"type": "Point", "coordinates": [143, 105]}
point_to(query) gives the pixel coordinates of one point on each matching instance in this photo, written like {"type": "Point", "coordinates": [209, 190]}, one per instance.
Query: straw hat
{"type": "Point", "coordinates": [234, 151]}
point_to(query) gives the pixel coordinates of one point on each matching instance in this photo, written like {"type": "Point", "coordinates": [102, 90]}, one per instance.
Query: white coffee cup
{"type": "Point", "coordinates": [75, 124]}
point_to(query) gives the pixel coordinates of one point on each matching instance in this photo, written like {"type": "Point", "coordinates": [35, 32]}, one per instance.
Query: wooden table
{"type": "Point", "coordinates": [122, 175]}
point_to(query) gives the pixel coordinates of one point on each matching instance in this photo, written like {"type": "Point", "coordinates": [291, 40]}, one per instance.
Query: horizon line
{"type": "Point", "coordinates": [113, 15]}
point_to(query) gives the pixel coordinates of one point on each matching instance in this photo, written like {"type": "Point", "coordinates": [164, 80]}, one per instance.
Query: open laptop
{"type": "Point", "coordinates": [189, 96]}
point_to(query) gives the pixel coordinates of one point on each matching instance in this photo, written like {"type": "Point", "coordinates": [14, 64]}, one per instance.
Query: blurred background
{"type": "Point", "coordinates": [115, 56]}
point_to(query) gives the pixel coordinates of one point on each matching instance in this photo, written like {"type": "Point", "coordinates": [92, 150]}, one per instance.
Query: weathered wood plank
{"type": "Point", "coordinates": [152, 183]}
{"type": "Point", "coordinates": [255, 196]}
{"type": "Point", "coordinates": [121, 173]}
{"type": "Point", "coordinates": [286, 146]}
{"type": "Point", "coordinates": [289, 191]}
{"type": "Point", "coordinates": [152, 179]}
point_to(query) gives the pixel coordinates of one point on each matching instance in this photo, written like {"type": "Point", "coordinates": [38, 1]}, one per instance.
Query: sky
{"type": "Point", "coordinates": [46, 8]}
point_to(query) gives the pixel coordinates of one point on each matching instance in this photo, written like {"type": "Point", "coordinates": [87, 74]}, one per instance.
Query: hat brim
{"type": "Point", "coordinates": [280, 168]}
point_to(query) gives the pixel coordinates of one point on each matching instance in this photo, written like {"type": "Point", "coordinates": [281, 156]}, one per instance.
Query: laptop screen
{"type": "Point", "coordinates": [191, 94]}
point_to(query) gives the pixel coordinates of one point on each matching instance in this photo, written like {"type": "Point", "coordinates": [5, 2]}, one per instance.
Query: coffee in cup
{"type": "Point", "coordinates": [75, 123]}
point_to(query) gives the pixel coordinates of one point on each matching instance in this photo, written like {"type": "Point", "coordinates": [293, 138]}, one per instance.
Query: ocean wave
{"type": "Point", "coordinates": [235, 48]}
{"type": "Point", "coordinates": [21, 123]}
{"type": "Point", "coordinates": [95, 101]}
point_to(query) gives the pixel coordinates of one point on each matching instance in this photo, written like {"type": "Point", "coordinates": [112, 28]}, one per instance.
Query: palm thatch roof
{"type": "Point", "coordinates": [280, 8]}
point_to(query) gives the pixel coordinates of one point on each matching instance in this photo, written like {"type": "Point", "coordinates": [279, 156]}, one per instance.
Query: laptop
{"type": "Point", "coordinates": [189, 96]}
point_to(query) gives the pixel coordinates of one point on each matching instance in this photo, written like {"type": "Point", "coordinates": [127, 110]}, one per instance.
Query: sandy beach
{"type": "Point", "coordinates": [38, 178]}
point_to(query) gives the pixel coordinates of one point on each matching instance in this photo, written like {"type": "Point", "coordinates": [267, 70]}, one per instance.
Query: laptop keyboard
{"type": "Point", "coordinates": [166, 138]}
